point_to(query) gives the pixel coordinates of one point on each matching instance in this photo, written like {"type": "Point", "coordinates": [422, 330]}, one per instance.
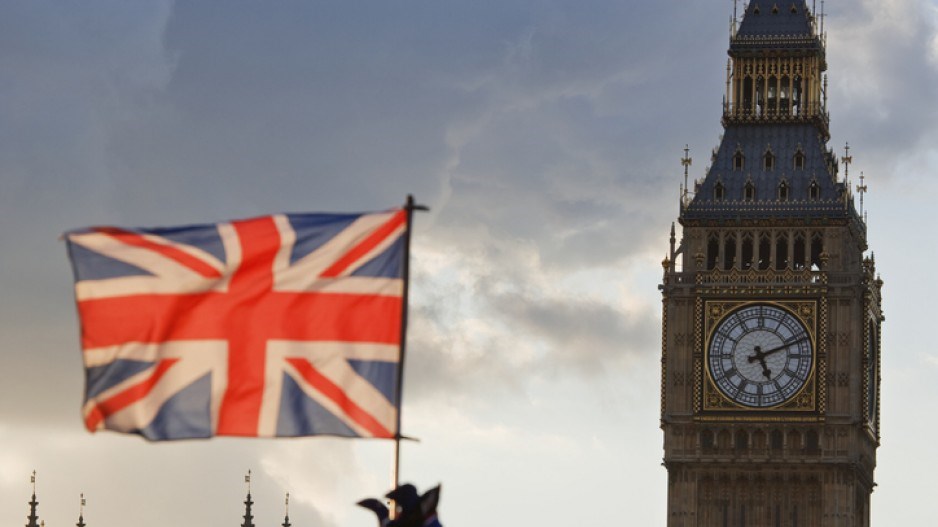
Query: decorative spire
{"type": "Point", "coordinates": [81, 512]}
{"type": "Point", "coordinates": [33, 504]}
{"type": "Point", "coordinates": [248, 516]}
{"type": "Point", "coordinates": [846, 160]}
{"type": "Point", "coordinates": [685, 162]}
{"type": "Point", "coordinates": [822, 16]}
{"type": "Point", "coordinates": [861, 189]}
{"type": "Point", "coordinates": [286, 515]}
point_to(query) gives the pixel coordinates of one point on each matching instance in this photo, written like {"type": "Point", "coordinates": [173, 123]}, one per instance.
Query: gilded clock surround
{"type": "Point", "coordinates": [715, 311]}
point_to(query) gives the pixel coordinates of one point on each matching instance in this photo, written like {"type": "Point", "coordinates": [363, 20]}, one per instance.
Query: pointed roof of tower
{"type": "Point", "coordinates": [33, 505]}
{"type": "Point", "coordinates": [776, 24]}
{"type": "Point", "coordinates": [810, 191]}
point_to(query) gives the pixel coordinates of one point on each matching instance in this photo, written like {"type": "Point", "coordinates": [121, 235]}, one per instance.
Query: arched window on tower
{"type": "Point", "coordinates": [719, 191]}
{"type": "Point", "coordinates": [775, 440]}
{"type": "Point", "coordinates": [758, 441]}
{"type": "Point", "coordinates": [783, 191]}
{"type": "Point", "coordinates": [742, 441]}
{"type": "Point", "coordinates": [799, 160]}
{"type": "Point", "coordinates": [781, 252]}
{"type": "Point", "coordinates": [765, 251]}
{"type": "Point", "coordinates": [749, 191]}
{"type": "Point", "coordinates": [739, 161]}
{"type": "Point", "coordinates": [760, 96]}
{"type": "Point", "coordinates": [817, 246]}
{"type": "Point", "coordinates": [747, 251]}
{"type": "Point", "coordinates": [713, 251]}
{"type": "Point", "coordinates": [796, 95]}
{"type": "Point", "coordinates": [814, 191]}
{"type": "Point", "coordinates": [768, 160]}
{"type": "Point", "coordinates": [799, 257]}
{"type": "Point", "coordinates": [723, 440]}
{"type": "Point", "coordinates": [747, 95]}
{"type": "Point", "coordinates": [812, 444]}
{"type": "Point", "coordinates": [773, 95]}
{"type": "Point", "coordinates": [784, 92]}
{"type": "Point", "coordinates": [729, 252]}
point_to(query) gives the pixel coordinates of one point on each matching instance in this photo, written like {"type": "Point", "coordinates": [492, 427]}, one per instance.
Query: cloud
{"type": "Point", "coordinates": [320, 480]}
{"type": "Point", "coordinates": [883, 80]}
{"type": "Point", "coordinates": [930, 359]}
{"type": "Point", "coordinates": [489, 316]}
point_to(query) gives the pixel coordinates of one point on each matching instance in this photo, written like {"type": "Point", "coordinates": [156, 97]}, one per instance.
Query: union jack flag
{"type": "Point", "coordinates": [284, 325]}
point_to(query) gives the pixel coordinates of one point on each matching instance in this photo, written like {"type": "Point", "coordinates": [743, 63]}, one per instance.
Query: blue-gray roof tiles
{"type": "Point", "coordinates": [784, 142]}
{"type": "Point", "coordinates": [773, 24]}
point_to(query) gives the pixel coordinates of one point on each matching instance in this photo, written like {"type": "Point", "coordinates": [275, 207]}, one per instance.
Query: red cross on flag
{"type": "Point", "coordinates": [284, 325]}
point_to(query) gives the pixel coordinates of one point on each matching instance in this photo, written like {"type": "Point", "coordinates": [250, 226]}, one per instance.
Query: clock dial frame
{"type": "Point", "coordinates": [760, 355]}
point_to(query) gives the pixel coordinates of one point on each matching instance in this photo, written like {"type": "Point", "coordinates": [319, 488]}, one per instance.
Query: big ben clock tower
{"type": "Point", "coordinates": [771, 323]}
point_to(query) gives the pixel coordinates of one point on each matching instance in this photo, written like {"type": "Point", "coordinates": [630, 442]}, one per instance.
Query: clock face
{"type": "Point", "coordinates": [760, 356]}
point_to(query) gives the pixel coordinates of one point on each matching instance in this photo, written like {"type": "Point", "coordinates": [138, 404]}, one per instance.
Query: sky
{"type": "Point", "coordinates": [544, 136]}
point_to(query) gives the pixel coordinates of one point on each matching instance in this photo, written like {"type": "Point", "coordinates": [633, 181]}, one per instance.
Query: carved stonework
{"type": "Point", "coordinates": [771, 359]}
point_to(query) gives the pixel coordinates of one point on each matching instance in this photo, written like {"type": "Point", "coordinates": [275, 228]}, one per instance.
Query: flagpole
{"type": "Point", "coordinates": [410, 206]}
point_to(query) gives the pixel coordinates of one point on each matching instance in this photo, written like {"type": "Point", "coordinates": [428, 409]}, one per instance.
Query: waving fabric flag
{"type": "Point", "coordinates": [285, 325]}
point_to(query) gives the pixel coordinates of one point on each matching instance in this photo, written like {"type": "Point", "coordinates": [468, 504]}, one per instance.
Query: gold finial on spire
{"type": "Point", "coordinates": [32, 479]}
{"type": "Point", "coordinates": [286, 503]}
{"type": "Point", "coordinates": [247, 479]}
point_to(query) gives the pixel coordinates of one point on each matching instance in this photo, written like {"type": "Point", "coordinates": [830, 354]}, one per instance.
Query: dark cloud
{"type": "Point", "coordinates": [582, 336]}
{"type": "Point", "coordinates": [883, 80]}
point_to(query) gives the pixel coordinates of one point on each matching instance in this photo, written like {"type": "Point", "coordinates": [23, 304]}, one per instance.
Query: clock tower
{"type": "Point", "coordinates": [771, 304]}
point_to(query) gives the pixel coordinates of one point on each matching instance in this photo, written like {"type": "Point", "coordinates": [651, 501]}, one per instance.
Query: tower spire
{"type": "Point", "coordinates": [847, 159]}
{"type": "Point", "coordinates": [286, 515]}
{"type": "Point", "coordinates": [861, 189]}
{"type": "Point", "coordinates": [33, 504]}
{"type": "Point", "coordinates": [248, 502]}
{"type": "Point", "coordinates": [81, 512]}
{"type": "Point", "coordinates": [686, 162]}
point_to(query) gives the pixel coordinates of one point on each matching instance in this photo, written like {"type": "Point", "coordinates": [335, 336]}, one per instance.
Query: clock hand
{"type": "Point", "coordinates": [783, 346]}
{"type": "Point", "coordinates": [760, 356]}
